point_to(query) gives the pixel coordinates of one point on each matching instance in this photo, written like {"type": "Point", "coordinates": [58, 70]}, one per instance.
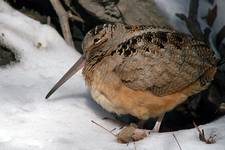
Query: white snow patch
{"type": "Point", "coordinates": [28, 121]}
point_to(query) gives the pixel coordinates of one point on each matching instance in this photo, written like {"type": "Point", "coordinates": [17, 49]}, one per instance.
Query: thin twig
{"type": "Point", "coordinates": [196, 127]}
{"type": "Point", "coordinates": [177, 141]}
{"type": "Point", "coordinates": [103, 128]}
{"type": "Point", "coordinates": [64, 21]}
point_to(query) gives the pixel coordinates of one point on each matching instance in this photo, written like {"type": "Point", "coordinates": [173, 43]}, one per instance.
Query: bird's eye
{"type": "Point", "coordinates": [96, 40]}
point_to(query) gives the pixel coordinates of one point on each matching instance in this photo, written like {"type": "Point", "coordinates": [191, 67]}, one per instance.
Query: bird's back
{"type": "Point", "coordinates": [151, 72]}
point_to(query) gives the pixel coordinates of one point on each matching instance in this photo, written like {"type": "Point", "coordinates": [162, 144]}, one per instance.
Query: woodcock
{"type": "Point", "coordinates": [143, 71]}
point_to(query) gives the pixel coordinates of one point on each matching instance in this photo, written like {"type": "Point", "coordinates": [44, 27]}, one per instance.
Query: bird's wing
{"type": "Point", "coordinates": [162, 62]}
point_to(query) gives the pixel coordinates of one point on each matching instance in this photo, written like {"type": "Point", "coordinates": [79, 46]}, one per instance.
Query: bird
{"type": "Point", "coordinates": [142, 70]}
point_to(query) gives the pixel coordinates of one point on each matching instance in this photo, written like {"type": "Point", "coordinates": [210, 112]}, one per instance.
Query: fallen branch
{"type": "Point", "coordinates": [64, 21]}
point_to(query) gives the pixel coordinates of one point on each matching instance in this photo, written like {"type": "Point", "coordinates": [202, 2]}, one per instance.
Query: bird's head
{"type": "Point", "coordinates": [95, 43]}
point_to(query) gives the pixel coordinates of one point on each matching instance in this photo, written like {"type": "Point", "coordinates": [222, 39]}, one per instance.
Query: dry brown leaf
{"type": "Point", "coordinates": [125, 135]}
{"type": "Point", "coordinates": [131, 134]}
{"type": "Point", "coordinates": [212, 13]}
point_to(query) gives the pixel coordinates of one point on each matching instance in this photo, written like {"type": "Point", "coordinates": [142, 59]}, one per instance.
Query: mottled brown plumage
{"type": "Point", "coordinates": [144, 71]}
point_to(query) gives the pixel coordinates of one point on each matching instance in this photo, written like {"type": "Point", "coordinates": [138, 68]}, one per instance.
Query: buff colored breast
{"type": "Point", "coordinates": [109, 92]}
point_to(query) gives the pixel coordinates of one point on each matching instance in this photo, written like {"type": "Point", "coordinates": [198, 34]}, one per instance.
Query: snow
{"type": "Point", "coordinates": [29, 122]}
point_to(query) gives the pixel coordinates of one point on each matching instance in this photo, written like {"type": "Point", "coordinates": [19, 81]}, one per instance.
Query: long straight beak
{"type": "Point", "coordinates": [76, 67]}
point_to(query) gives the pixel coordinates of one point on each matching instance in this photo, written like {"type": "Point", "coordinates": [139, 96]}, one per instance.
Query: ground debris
{"type": "Point", "coordinates": [210, 140]}
{"type": "Point", "coordinates": [131, 133]}
{"type": "Point", "coordinates": [128, 134]}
